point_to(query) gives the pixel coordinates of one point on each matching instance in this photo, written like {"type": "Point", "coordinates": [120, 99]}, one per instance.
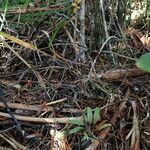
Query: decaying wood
{"type": "Point", "coordinates": [119, 73]}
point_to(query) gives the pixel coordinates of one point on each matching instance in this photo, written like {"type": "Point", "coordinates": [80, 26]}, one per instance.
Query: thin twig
{"type": "Point", "coordinates": [82, 29]}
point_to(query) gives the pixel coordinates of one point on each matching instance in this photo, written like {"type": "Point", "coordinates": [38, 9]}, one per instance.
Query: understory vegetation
{"type": "Point", "coordinates": [74, 74]}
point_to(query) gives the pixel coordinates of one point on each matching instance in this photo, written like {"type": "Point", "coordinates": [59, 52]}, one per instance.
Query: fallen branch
{"type": "Point", "coordinates": [37, 107]}
{"type": "Point", "coordinates": [119, 73]}
{"type": "Point", "coordinates": [40, 120]}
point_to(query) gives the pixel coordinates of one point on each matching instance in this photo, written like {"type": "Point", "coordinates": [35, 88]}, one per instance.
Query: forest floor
{"type": "Point", "coordinates": [49, 99]}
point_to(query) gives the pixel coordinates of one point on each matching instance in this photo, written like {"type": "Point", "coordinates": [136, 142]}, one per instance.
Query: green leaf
{"type": "Point", "coordinates": [75, 130]}
{"type": "Point", "coordinates": [89, 115]}
{"type": "Point", "coordinates": [59, 26]}
{"type": "Point", "coordinates": [6, 7]}
{"type": "Point", "coordinates": [105, 126]}
{"type": "Point", "coordinates": [77, 122]}
{"type": "Point", "coordinates": [143, 62]}
{"type": "Point", "coordinates": [96, 115]}
{"type": "Point", "coordinates": [85, 137]}
{"type": "Point", "coordinates": [85, 118]}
